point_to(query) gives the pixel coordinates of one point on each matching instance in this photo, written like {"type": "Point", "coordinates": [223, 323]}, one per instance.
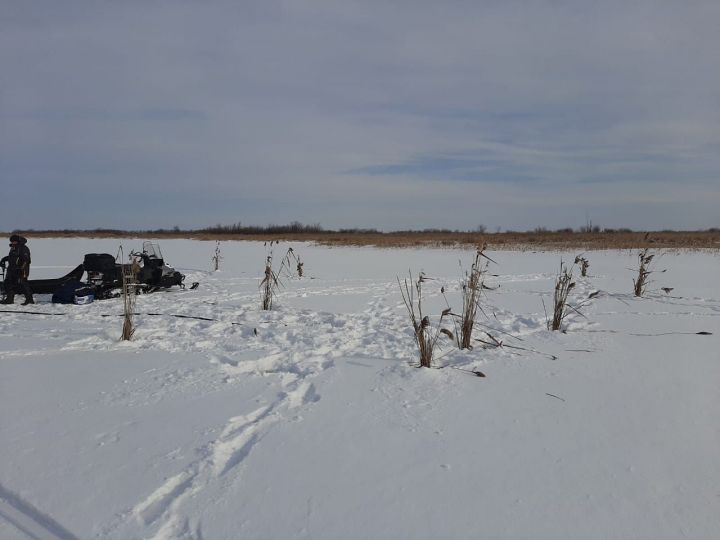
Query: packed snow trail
{"type": "Point", "coordinates": [299, 358]}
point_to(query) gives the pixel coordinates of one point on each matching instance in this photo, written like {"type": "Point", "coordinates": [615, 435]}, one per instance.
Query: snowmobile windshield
{"type": "Point", "coordinates": [152, 250]}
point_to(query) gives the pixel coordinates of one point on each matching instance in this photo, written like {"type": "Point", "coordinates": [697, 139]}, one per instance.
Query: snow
{"type": "Point", "coordinates": [311, 421]}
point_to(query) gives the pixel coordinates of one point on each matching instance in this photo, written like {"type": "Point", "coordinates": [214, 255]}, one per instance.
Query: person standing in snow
{"type": "Point", "coordinates": [18, 270]}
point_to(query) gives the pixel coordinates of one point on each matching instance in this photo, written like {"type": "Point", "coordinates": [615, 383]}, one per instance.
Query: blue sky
{"type": "Point", "coordinates": [387, 114]}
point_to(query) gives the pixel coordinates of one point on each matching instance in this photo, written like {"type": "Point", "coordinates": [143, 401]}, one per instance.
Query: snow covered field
{"type": "Point", "coordinates": [309, 421]}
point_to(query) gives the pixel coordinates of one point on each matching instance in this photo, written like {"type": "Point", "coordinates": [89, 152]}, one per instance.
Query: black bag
{"type": "Point", "coordinates": [99, 262]}
{"type": "Point", "coordinates": [66, 293]}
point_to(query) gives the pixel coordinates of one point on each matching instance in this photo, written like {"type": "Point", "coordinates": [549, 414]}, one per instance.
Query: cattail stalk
{"type": "Point", "coordinates": [129, 295]}
{"type": "Point", "coordinates": [563, 285]}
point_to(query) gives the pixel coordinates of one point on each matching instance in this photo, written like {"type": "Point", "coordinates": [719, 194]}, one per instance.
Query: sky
{"type": "Point", "coordinates": [392, 114]}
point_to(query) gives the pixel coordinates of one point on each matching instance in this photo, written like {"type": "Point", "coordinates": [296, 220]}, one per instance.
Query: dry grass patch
{"type": "Point", "coordinates": [643, 272]}
{"type": "Point", "coordinates": [619, 239]}
{"type": "Point", "coordinates": [292, 260]}
{"type": "Point", "coordinates": [426, 335]}
{"type": "Point", "coordinates": [584, 265]}
{"type": "Point", "coordinates": [563, 285]}
{"type": "Point", "coordinates": [271, 281]}
{"type": "Point", "coordinates": [472, 286]}
{"type": "Point", "coordinates": [129, 296]}
{"type": "Point", "coordinates": [216, 258]}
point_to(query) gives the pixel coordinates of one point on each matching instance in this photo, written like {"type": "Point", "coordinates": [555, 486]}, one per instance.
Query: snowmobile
{"type": "Point", "coordinates": [104, 276]}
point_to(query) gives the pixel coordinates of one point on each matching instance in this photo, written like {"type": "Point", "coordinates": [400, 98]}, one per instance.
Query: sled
{"type": "Point", "coordinates": [49, 286]}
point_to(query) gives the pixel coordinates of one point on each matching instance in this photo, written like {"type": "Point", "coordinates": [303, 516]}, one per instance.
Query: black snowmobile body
{"type": "Point", "coordinates": [105, 275]}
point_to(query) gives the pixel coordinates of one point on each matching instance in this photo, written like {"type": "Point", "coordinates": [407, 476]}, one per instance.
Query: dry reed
{"type": "Point", "coordinates": [426, 336]}
{"type": "Point", "coordinates": [271, 281]}
{"type": "Point", "coordinates": [644, 272]}
{"type": "Point", "coordinates": [584, 264]}
{"type": "Point", "coordinates": [269, 284]}
{"type": "Point", "coordinates": [129, 295]}
{"type": "Point", "coordinates": [292, 259]}
{"type": "Point", "coordinates": [472, 287]}
{"type": "Point", "coordinates": [607, 239]}
{"type": "Point", "coordinates": [563, 285]}
{"type": "Point", "coordinates": [216, 258]}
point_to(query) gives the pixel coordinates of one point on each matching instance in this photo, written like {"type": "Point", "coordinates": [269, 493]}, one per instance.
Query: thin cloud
{"type": "Point", "coordinates": [298, 106]}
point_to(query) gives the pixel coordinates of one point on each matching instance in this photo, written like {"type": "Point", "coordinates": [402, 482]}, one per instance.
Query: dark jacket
{"type": "Point", "coordinates": [18, 260]}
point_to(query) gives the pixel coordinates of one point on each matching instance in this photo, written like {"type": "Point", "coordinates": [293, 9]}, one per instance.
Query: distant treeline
{"type": "Point", "coordinates": [296, 227]}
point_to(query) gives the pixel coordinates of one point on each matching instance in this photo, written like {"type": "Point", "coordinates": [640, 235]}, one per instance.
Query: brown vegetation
{"type": "Point", "coordinates": [539, 239]}
{"type": "Point", "coordinates": [563, 285]}
{"type": "Point", "coordinates": [472, 286]}
{"type": "Point", "coordinates": [129, 295]}
{"type": "Point", "coordinates": [216, 257]}
{"type": "Point", "coordinates": [271, 281]}
{"type": "Point", "coordinates": [426, 335]}
{"type": "Point", "coordinates": [584, 265]}
{"type": "Point", "coordinates": [644, 260]}
{"type": "Point", "coordinates": [269, 284]}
